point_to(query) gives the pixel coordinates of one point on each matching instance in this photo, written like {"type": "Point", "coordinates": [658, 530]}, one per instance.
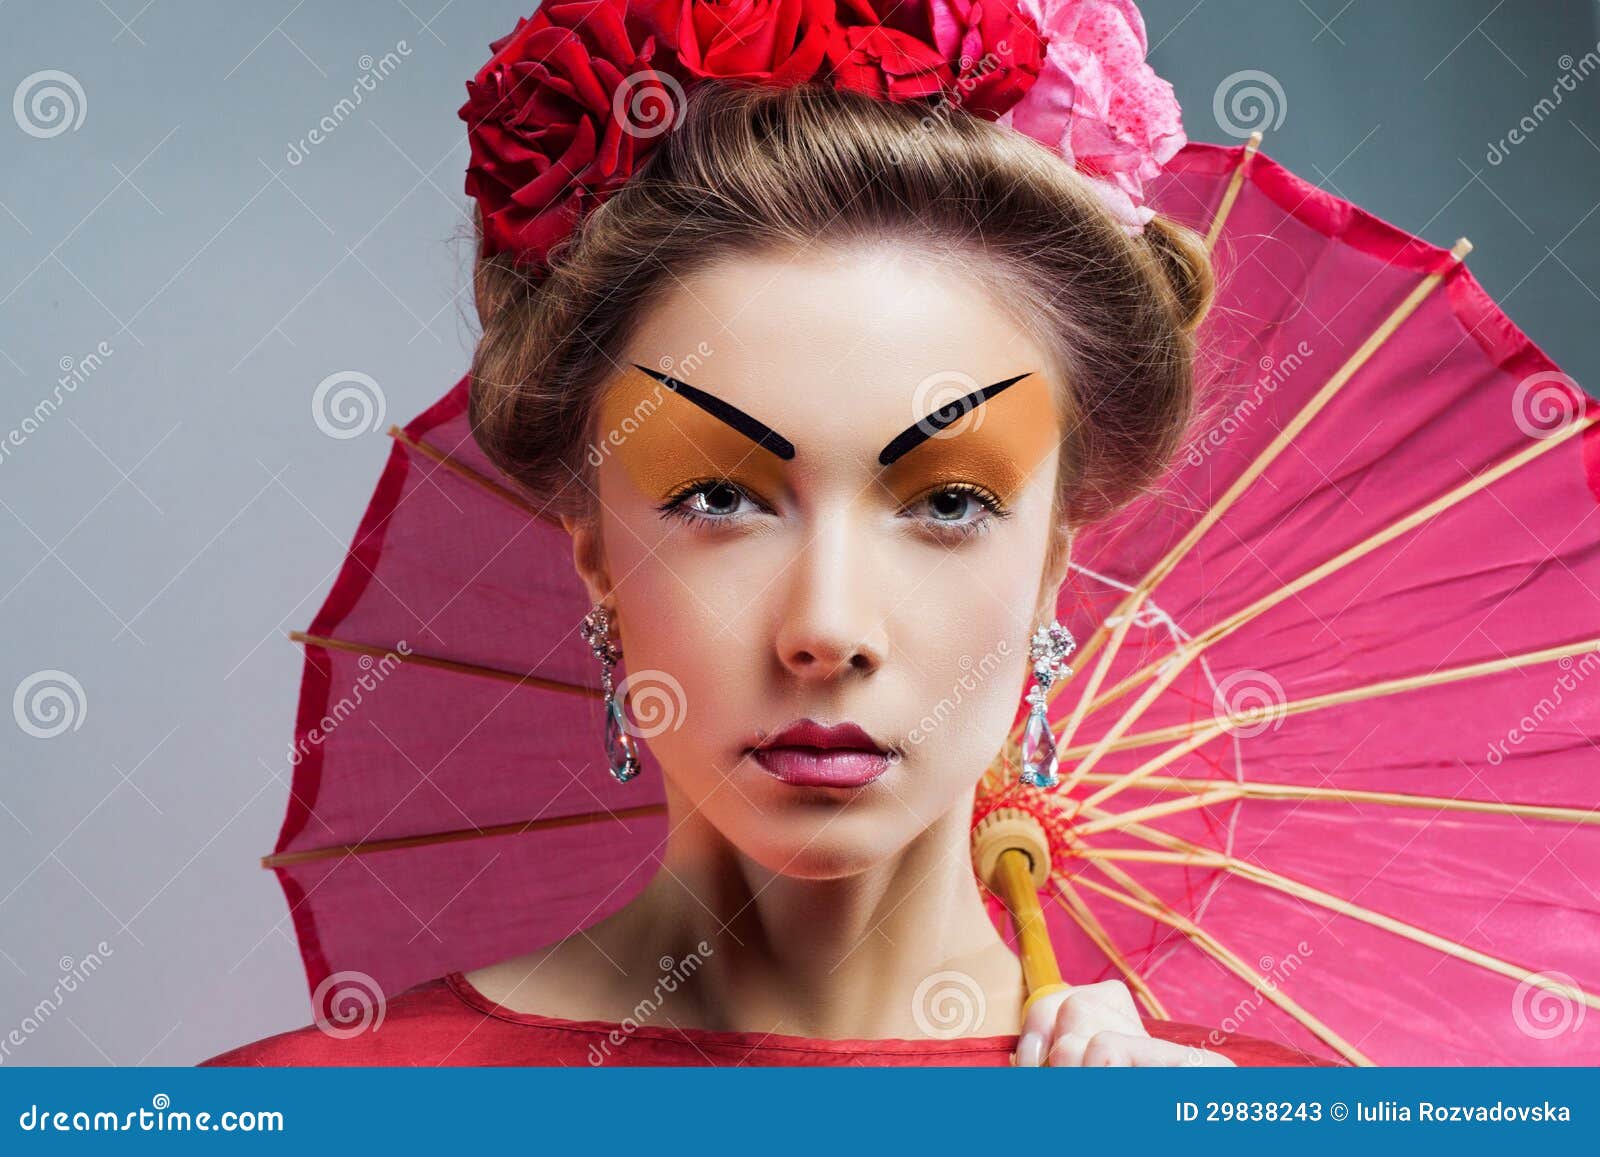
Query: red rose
{"type": "Point", "coordinates": [908, 16]}
{"type": "Point", "coordinates": [995, 48]}
{"type": "Point", "coordinates": [558, 119]}
{"type": "Point", "coordinates": [887, 63]}
{"type": "Point", "coordinates": [767, 41]}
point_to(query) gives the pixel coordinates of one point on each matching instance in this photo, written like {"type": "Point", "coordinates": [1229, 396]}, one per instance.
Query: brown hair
{"type": "Point", "coordinates": [752, 169]}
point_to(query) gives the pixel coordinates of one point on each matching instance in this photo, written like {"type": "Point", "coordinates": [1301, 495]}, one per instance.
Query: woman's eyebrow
{"type": "Point", "coordinates": [753, 428]}
{"type": "Point", "coordinates": [919, 432]}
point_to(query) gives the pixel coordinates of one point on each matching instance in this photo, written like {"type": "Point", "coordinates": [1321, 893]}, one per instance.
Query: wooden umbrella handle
{"type": "Point", "coordinates": [1014, 883]}
{"type": "Point", "coordinates": [1012, 856]}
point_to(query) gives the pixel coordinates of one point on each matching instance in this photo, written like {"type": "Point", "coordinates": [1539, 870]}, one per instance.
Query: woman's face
{"type": "Point", "coordinates": [799, 536]}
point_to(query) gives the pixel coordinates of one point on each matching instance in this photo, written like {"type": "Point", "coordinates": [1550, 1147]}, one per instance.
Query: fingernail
{"type": "Point", "coordinates": [1030, 1050]}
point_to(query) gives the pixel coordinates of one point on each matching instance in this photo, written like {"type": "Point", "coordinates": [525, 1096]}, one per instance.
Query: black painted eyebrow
{"type": "Point", "coordinates": [756, 430]}
{"type": "Point", "coordinates": [919, 432]}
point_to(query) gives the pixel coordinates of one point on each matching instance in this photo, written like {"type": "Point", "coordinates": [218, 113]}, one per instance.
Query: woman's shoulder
{"type": "Point", "coordinates": [418, 1026]}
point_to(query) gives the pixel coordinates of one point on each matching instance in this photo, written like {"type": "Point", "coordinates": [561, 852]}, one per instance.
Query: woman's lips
{"type": "Point", "coordinates": [815, 767]}
{"type": "Point", "coordinates": [807, 753]}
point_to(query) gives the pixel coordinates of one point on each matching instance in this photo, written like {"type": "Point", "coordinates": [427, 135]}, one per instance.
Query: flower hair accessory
{"type": "Point", "coordinates": [574, 100]}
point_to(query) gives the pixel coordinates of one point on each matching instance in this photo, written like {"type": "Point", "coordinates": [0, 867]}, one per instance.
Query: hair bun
{"type": "Point", "coordinates": [1186, 263]}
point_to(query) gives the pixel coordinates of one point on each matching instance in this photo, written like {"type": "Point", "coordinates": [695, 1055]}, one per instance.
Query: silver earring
{"type": "Point", "coordinates": [621, 755]}
{"type": "Point", "coordinates": [1049, 650]}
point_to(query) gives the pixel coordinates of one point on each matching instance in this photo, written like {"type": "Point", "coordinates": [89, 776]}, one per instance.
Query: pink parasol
{"type": "Point", "coordinates": [1327, 762]}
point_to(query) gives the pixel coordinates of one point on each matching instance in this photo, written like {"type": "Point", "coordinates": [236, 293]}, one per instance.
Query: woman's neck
{"type": "Point", "coordinates": [749, 949]}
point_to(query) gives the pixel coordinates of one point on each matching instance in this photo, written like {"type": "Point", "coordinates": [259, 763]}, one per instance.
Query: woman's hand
{"type": "Point", "coordinates": [1096, 1025]}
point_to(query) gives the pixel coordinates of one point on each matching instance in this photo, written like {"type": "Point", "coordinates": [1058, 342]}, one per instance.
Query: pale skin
{"type": "Point", "coordinates": [829, 585]}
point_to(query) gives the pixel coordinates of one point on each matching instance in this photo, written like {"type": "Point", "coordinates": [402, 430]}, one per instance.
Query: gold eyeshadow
{"type": "Point", "coordinates": [997, 445]}
{"type": "Point", "coordinates": [669, 434]}
{"type": "Point", "coordinates": [664, 441]}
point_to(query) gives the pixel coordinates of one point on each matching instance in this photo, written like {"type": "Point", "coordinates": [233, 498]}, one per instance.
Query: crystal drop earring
{"type": "Point", "coordinates": [622, 757]}
{"type": "Point", "coordinates": [1049, 650]}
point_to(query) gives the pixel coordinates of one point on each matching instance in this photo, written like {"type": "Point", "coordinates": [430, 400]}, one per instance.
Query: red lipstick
{"type": "Point", "coordinates": [808, 754]}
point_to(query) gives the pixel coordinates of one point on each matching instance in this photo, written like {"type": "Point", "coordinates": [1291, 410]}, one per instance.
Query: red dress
{"type": "Point", "coordinates": [449, 1022]}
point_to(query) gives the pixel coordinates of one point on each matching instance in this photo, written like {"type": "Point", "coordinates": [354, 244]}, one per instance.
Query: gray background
{"type": "Point", "coordinates": [181, 510]}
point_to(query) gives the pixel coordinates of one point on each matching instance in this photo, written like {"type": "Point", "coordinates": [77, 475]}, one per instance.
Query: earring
{"type": "Point", "coordinates": [1049, 650]}
{"type": "Point", "coordinates": [621, 755]}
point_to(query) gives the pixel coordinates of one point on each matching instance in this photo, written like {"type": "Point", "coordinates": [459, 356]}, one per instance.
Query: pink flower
{"type": "Point", "coordinates": [1099, 103]}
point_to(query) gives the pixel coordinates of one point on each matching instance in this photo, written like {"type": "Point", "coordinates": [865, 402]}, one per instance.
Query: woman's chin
{"type": "Point", "coordinates": [827, 864]}
{"type": "Point", "coordinates": [826, 849]}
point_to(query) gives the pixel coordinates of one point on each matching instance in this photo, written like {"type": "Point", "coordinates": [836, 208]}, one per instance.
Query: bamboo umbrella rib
{"type": "Point", "coordinates": [365, 847]}
{"type": "Point", "coordinates": [1338, 698]}
{"type": "Point", "coordinates": [1157, 811]}
{"type": "Point", "coordinates": [1130, 603]}
{"type": "Point", "coordinates": [1097, 677]}
{"type": "Point", "coordinates": [1225, 790]}
{"type": "Point", "coordinates": [502, 492]}
{"type": "Point", "coordinates": [1231, 194]}
{"type": "Point", "coordinates": [1306, 414]}
{"type": "Point", "coordinates": [1258, 466]}
{"type": "Point", "coordinates": [1199, 739]}
{"type": "Point", "coordinates": [1403, 525]}
{"type": "Point", "coordinates": [1142, 900]}
{"type": "Point", "coordinates": [1151, 693]}
{"type": "Point", "coordinates": [441, 664]}
{"type": "Point", "coordinates": [1182, 852]}
{"type": "Point", "coordinates": [1066, 896]}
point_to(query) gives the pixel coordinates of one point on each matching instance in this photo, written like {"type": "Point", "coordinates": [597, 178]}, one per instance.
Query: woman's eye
{"type": "Point", "coordinates": [959, 509]}
{"type": "Point", "coordinates": [709, 501]}
{"type": "Point", "coordinates": [950, 512]}
{"type": "Point", "coordinates": [953, 505]}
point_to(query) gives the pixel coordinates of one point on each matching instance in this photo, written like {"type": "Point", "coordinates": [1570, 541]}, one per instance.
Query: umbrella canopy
{"type": "Point", "coordinates": [1327, 760]}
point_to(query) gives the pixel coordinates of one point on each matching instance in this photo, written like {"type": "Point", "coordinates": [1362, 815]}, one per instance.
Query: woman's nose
{"type": "Point", "coordinates": [835, 615]}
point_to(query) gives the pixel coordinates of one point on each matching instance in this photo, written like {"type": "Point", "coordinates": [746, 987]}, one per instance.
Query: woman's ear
{"type": "Point", "coordinates": [588, 555]}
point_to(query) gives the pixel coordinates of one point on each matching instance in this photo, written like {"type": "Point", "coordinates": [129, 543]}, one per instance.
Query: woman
{"type": "Point", "coordinates": [796, 524]}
